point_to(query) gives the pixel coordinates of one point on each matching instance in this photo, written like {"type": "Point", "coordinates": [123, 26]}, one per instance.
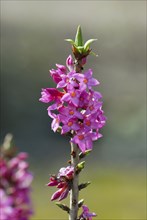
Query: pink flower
{"type": "Point", "coordinates": [86, 80]}
{"type": "Point", "coordinates": [50, 94]}
{"type": "Point", "coordinates": [69, 125]}
{"type": "Point", "coordinates": [86, 215]}
{"type": "Point", "coordinates": [85, 139]}
{"type": "Point", "coordinates": [72, 96]}
{"type": "Point", "coordinates": [15, 189]}
{"type": "Point", "coordinates": [63, 182]}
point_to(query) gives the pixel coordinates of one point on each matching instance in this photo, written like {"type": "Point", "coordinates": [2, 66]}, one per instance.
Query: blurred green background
{"type": "Point", "coordinates": [32, 41]}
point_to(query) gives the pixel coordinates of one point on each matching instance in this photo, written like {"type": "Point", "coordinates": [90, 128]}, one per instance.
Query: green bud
{"type": "Point", "coordinates": [79, 49]}
{"type": "Point", "coordinates": [80, 167]}
{"type": "Point", "coordinates": [63, 207]}
{"type": "Point", "coordinates": [83, 185]}
{"type": "Point", "coordinates": [80, 203]}
{"type": "Point", "coordinates": [79, 38]}
{"type": "Point", "coordinates": [87, 44]}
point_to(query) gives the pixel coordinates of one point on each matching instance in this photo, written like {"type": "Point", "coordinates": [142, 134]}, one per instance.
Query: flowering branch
{"type": "Point", "coordinates": [76, 110]}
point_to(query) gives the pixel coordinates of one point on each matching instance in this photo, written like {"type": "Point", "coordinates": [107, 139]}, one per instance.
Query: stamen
{"type": "Point", "coordinates": [81, 137]}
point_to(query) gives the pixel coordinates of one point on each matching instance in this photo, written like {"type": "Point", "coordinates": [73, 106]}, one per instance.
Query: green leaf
{"type": "Point", "coordinates": [70, 41]}
{"type": "Point", "coordinates": [87, 44]}
{"type": "Point", "coordinates": [80, 203]}
{"type": "Point", "coordinates": [83, 185]}
{"type": "Point", "coordinates": [94, 54]}
{"type": "Point", "coordinates": [63, 207]}
{"type": "Point", "coordinates": [80, 48]}
{"type": "Point", "coordinates": [82, 155]}
{"type": "Point", "coordinates": [79, 38]}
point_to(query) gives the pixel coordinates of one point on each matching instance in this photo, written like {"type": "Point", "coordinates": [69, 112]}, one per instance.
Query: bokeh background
{"type": "Point", "coordinates": [32, 42]}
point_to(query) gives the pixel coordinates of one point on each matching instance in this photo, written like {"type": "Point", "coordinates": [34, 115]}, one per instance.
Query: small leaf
{"type": "Point", "coordinates": [79, 38]}
{"type": "Point", "coordinates": [70, 41]}
{"type": "Point", "coordinates": [94, 54]}
{"type": "Point", "coordinates": [82, 155]}
{"type": "Point", "coordinates": [63, 207]}
{"type": "Point", "coordinates": [87, 44]}
{"type": "Point", "coordinates": [83, 185]}
{"type": "Point", "coordinates": [80, 203]}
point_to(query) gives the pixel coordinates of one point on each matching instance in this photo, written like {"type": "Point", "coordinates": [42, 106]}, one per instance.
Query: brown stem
{"type": "Point", "coordinates": [74, 193]}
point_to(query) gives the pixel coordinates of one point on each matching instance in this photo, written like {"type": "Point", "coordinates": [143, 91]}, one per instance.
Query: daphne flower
{"type": "Point", "coordinates": [86, 80]}
{"type": "Point", "coordinates": [86, 215]}
{"type": "Point", "coordinates": [67, 80]}
{"type": "Point", "coordinates": [62, 181]}
{"type": "Point", "coordinates": [72, 96]}
{"type": "Point", "coordinates": [50, 94]}
{"type": "Point", "coordinates": [70, 124]}
{"type": "Point", "coordinates": [56, 122]}
{"type": "Point", "coordinates": [85, 139]}
{"type": "Point", "coordinates": [6, 206]}
{"type": "Point", "coordinates": [15, 184]}
{"type": "Point", "coordinates": [70, 111]}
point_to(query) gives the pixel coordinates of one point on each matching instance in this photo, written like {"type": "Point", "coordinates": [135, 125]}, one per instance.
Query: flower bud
{"type": "Point", "coordinates": [56, 195]}
{"type": "Point", "coordinates": [79, 167]}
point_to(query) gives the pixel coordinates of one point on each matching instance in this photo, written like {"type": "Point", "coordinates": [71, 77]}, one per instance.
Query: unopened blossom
{"type": "Point", "coordinates": [86, 215]}
{"type": "Point", "coordinates": [74, 106]}
{"type": "Point", "coordinates": [15, 203]}
{"type": "Point", "coordinates": [63, 182]}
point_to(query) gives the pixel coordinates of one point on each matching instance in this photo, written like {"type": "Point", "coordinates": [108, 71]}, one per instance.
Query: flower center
{"type": "Point", "coordinates": [73, 94]}
{"type": "Point", "coordinates": [85, 81]}
{"type": "Point", "coordinates": [67, 80]}
{"type": "Point", "coordinates": [71, 112]}
{"type": "Point", "coordinates": [81, 137]}
{"type": "Point", "coordinates": [70, 123]}
{"type": "Point", "coordinates": [91, 107]}
{"type": "Point", "coordinates": [88, 123]}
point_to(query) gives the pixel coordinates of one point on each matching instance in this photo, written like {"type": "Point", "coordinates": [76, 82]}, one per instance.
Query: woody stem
{"type": "Point", "coordinates": [74, 193]}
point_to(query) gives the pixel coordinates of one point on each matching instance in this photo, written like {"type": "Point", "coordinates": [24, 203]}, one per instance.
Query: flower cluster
{"type": "Point", "coordinates": [75, 106]}
{"type": "Point", "coordinates": [63, 182]}
{"type": "Point", "coordinates": [15, 183]}
{"type": "Point", "coordinates": [86, 215]}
